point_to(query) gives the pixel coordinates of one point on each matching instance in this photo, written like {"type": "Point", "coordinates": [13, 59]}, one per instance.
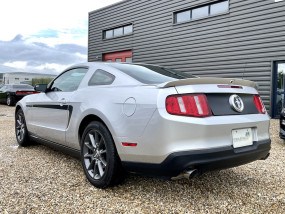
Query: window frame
{"type": "Point", "coordinates": [174, 14]}
{"type": "Point", "coordinates": [117, 27]}
{"type": "Point", "coordinates": [52, 82]}
{"type": "Point", "coordinates": [108, 74]}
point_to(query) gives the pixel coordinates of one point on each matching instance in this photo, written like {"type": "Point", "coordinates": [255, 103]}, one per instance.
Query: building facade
{"type": "Point", "coordinates": [23, 77]}
{"type": "Point", "coordinates": [208, 38]}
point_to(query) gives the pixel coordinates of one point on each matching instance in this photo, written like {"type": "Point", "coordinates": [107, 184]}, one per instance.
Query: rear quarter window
{"type": "Point", "coordinates": [101, 77]}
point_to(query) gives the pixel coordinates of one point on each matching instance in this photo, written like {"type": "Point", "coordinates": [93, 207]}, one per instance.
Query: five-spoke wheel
{"type": "Point", "coordinates": [101, 163]}
{"type": "Point", "coordinates": [21, 129]}
{"type": "Point", "coordinates": [94, 151]}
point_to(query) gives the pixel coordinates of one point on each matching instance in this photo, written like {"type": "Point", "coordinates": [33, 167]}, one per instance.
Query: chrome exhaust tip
{"type": "Point", "coordinates": [190, 173]}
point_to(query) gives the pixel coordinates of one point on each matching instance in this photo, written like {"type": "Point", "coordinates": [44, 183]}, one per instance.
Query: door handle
{"type": "Point", "coordinates": [63, 101]}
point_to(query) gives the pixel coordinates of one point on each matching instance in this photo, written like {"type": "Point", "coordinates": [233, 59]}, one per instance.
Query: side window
{"type": "Point", "coordinates": [69, 80]}
{"type": "Point", "coordinates": [101, 77]}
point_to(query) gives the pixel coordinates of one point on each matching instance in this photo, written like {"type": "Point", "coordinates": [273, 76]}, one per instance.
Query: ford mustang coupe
{"type": "Point", "coordinates": [146, 119]}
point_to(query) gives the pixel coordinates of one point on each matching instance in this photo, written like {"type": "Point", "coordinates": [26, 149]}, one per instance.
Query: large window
{"type": "Point", "coordinates": [203, 11]}
{"type": "Point", "coordinates": [150, 74]}
{"type": "Point", "coordinates": [116, 32]}
{"type": "Point", "coordinates": [69, 80]}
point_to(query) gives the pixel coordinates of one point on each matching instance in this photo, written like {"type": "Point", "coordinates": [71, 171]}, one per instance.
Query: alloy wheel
{"type": "Point", "coordinates": [20, 127]}
{"type": "Point", "coordinates": [95, 155]}
{"type": "Point", "coordinates": [8, 100]}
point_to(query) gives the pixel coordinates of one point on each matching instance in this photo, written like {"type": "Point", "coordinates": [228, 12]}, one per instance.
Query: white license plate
{"type": "Point", "coordinates": [242, 137]}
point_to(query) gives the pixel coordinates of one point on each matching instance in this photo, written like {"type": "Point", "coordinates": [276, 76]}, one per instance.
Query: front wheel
{"type": "Point", "coordinates": [22, 134]}
{"type": "Point", "coordinates": [99, 157]}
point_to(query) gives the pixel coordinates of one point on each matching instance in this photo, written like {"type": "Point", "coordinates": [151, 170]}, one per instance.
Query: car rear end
{"type": "Point", "coordinates": [203, 124]}
{"type": "Point", "coordinates": [21, 91]}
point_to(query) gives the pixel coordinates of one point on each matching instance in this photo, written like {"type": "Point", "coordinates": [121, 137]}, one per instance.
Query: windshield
{"type": "Point", "coordinates": [151, 74]}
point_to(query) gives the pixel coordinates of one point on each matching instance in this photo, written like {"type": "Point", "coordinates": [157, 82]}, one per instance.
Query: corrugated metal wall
{"type": "Point", "coordinates": [240, 44]}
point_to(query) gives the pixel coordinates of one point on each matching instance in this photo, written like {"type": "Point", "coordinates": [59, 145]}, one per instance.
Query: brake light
{"type": "Point", "coordinates": [27, 92]}
{"type": "Point", "coordinates": [259, 104]}
{"type": "Point", "coordinates": [230, 86]}
{"type": "Point", "coordinates": [192, 105]}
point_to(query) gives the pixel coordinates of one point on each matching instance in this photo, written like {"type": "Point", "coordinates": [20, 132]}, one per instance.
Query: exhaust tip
{"type": "Point", "coordinates": [189, 174]}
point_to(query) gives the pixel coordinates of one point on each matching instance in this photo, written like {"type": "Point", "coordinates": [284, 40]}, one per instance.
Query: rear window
{"type": "Point", "coordinates": [23, 87]}
{"type": "Point", "coordinates": [151, 74]}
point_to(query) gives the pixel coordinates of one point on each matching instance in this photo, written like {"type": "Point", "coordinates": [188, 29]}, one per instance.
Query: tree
{"type": "Point", "coordinates": [41, 81]}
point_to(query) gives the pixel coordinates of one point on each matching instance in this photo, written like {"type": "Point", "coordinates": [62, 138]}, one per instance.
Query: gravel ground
{"type": "Point", "coordinates": [38, 179]}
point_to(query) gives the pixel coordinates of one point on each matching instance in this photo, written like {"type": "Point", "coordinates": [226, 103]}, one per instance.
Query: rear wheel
{"type": "Point", "coordinates": [99, 157]}
{"type": "Point", "coordinates": [21, 129]}
{"type": "Point", "coordinates": [10, 100]}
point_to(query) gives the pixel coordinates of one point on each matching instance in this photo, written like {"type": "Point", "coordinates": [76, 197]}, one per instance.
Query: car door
{"type": "Point", "coordinates": [49, 112]}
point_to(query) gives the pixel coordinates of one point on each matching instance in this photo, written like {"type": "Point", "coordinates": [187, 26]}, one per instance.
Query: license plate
{"type": "Point", "coordinates": [242, 137]}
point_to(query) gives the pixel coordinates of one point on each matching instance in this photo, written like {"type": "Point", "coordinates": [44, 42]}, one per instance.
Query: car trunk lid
{"type": "Point", "coordinates": [219, 93]}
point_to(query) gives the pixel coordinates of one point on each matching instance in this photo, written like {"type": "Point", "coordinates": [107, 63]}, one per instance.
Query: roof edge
{"type": "Point", "coordinates": [111, 5]}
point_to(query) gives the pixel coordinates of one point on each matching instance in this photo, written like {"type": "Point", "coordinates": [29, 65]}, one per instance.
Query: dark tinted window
{"type": "Point", "coordinates": [69, 81]}
{"type": "Point", "coordinates": [150, 74]}
{"type": "Point", "coordinates": [101, 77]}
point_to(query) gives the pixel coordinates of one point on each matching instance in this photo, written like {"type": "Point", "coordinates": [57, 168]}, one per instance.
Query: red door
{"type": "Point", "coordinates": [121, 56]}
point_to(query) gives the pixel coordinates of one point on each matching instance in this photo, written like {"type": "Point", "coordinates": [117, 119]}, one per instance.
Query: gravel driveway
{"type": "Point", "coordinates": [38, 179]}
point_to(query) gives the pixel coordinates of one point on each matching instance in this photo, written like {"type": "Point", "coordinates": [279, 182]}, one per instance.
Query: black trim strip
{"type": "Point", "coordinates": [70, 109]}
{"type": "Point", "coordinates": [65, 149]}
{"type": "Point", "coordinates": [60, 107]}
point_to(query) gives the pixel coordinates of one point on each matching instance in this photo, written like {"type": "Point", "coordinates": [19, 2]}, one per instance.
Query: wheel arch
{"type": "Point", "coordinates": [17, 108]}
{"type": "Point", "coordinates": [88, 119]}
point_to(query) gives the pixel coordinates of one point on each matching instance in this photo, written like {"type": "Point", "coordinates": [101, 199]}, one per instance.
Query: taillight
{"type": "Point", "coordinates": [193, 105]}
{"type": "Point", "coordinates": [27, 92]}
{"type": "Point", "coordinates": [259, 104]}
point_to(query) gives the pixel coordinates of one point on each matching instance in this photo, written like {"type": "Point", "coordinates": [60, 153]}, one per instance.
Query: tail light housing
{"type": "Point", "coordinates": [192, 105]}
{"type": "Point", "coordinates": [259, 104]}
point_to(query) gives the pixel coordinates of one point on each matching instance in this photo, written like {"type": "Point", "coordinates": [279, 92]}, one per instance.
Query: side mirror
{"type": "Point", "coordinates": [41, 87]}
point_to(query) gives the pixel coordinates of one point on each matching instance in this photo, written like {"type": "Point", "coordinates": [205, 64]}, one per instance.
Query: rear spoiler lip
{"type": "Point", "coordinates": [201, 81]}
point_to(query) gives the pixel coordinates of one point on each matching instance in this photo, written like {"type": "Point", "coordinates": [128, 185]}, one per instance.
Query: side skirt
{"type": "Point", "coordinates": [67, 150]}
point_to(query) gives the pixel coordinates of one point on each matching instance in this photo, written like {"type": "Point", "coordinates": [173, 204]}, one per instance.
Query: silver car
{"type": "Point", "coordinates": [146, 119]}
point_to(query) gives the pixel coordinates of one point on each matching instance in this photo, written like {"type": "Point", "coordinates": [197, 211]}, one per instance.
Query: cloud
{"type": "Point", "coordinates": [44, 36]}
{"type": "Point", "coordinates": [23, 54]}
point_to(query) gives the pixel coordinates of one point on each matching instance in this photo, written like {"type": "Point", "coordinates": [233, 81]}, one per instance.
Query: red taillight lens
{"type": "Point", "coordinates": [259, 104]}
{"type": "Point", "coordinates": [130, 144]}
{"type": "Point", "coordinates": [193, 105]}
{"type": "Point", "coordinates": [27, 92]}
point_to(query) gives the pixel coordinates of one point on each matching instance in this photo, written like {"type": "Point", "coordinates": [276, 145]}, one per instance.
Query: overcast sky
{"type": "Point", "coordinates": [44, 36]}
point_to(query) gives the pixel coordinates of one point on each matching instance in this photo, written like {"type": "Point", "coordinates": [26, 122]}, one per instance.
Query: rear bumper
{"type": "Point", "coordinates": [202, 160]}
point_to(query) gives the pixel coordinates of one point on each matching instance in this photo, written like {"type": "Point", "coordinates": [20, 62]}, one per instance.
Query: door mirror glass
{"type": "Point", "coordinates": [41, 87]}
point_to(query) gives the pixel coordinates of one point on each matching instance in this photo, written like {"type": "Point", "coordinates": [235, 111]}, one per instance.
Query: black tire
{"type": "Point", "coordinates": [10, 101]}
{"type": "Point", "coordinates": [21, 131]}
{"type": "Point", "coordinates": [99, 157]}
